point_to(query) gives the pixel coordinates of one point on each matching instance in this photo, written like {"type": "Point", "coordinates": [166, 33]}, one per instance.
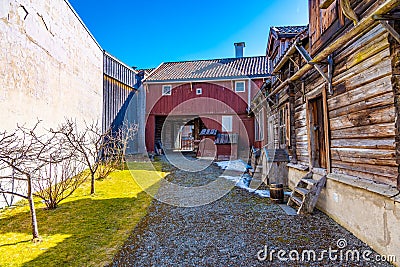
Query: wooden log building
{"type": "Point", "coordinates": [341, 81]}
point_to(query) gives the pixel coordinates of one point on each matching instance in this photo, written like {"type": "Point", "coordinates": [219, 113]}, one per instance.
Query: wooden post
{"type": "Point", "coordinates": [326, 131]}
{"type": "Point", "coordinates": [309, 134]}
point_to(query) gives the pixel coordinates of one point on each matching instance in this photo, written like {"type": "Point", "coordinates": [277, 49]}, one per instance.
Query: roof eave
{"type": "Point", "coordinates": [258, 76]}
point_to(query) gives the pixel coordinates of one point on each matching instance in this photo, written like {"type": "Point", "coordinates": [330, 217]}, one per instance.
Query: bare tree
{"type": "Point", "coordinates": [62, 174]}
{"type": "Point", "coordinates": [89, 144]}
{"type": "Point", "coordinates": [114, 150]}
{"type": "Point", "coordinates": [101, 152]}
{"type": "Point", "coordinates": [122, 137]}
{"type": "Point", "coordinates": [126, 134]}
{"type": "Point", "coordinates": [23, 154]}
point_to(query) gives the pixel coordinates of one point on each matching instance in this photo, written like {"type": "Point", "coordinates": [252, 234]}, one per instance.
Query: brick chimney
{"type": "Point", "coordinates": [239, 49]}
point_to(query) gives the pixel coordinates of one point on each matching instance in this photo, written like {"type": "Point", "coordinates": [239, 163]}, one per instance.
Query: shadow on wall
{"type": "Point", "coordinates": [122, 113]}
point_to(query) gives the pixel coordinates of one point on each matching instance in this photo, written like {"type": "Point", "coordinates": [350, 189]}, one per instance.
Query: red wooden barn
{"type": "Point", "coordinates": [183, 98]}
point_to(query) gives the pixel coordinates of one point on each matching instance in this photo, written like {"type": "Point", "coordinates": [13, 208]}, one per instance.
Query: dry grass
{"type": "Point", "coordinates": [85, 230]}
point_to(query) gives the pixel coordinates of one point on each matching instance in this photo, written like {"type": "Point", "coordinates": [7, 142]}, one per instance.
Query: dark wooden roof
{"type": "Point", "coordinates": [246, 67]}
{"type": "Point", "coordinates": [287, 31]}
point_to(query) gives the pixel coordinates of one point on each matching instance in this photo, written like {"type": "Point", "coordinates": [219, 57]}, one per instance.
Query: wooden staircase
{"type": "Point", "coordinates": [255, 163]}
{"type": "Point", "coordinates": [305, 195]}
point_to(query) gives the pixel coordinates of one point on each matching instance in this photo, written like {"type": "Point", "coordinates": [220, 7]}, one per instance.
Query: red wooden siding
{"type": "Point", "coordinates": [216, 100]}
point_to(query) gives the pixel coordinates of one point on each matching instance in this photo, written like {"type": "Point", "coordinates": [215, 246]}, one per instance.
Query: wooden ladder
{"type": "Point", "coordinates": [305, 195]}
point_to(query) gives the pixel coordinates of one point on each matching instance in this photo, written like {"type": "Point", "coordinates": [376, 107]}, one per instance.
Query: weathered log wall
{"type": "Point", "coordinates": [395, 56]}
{"type": "Point", "coordinates": [361, 112]}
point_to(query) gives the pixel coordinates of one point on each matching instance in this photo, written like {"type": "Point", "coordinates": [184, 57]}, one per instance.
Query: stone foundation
{"type": "Point", "coordinates": [373, 217]}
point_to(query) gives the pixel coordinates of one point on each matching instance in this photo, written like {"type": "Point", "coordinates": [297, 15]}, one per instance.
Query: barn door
{"type": "Point", "coordinates": [317, 134]}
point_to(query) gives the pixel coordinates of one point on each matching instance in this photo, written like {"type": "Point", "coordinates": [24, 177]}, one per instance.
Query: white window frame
{"type": "Point", "coordinates": [244, 86]}
{"type": "Point", "coordinates": [163, 90]}
{"type": "Point", "coordinates": [199, 91]}
{"type": "Point", "coordinates": [226, 125]}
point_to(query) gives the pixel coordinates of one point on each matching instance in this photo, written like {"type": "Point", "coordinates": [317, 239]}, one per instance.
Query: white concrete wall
{"type": "Point", "coordinates": [372, 217]}
{"type": "Point", "coordinates": [50, 66]}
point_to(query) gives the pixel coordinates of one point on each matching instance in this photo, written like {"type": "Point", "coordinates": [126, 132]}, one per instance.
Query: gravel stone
{"type": "Point", "coordinates": [231, 231]}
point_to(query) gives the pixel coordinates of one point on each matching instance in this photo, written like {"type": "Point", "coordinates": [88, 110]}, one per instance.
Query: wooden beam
{"type": "Point", "coordinates": [294, 62]}
{"type": "Point", "coordinates": [390, 29]}
{"type": "Point", "coordinates": [325, 4]}
{"type": "Point", "coordinates": [303, 52]}
{"type": "Point", "coordinates": [363, 25]}
{"type": "Point", "coordinates": [392, 16]}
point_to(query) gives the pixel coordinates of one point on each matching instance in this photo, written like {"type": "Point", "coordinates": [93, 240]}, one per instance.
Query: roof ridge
{"type": "Point", "coordinates": [287, 26]}
{"type": "Point", "coordinates": [210, 69]}
{"type": "Point", "coordinates": [211, 59]}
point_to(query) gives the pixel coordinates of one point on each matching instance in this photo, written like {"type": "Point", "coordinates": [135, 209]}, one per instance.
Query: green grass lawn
{"type": "Point", "coordinates": [85, 230]}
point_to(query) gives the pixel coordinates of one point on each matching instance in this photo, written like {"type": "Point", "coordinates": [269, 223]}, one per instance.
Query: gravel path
{"type": "Point", "coordinates": [232, 231]}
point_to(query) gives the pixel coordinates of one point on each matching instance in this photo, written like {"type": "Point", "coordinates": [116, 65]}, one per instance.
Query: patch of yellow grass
{"type": "Point", "coordinates": [85, 230]}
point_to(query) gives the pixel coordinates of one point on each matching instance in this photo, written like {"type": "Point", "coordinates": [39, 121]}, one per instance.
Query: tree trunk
{"type": "Point", "coordinates": [35, 231]}
{"type": "Point", "coordinates": [92, 191]}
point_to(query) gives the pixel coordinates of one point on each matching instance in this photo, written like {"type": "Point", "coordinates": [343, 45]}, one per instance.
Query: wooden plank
{"type": "Point", "coordinates": [328, 16]}
{"type": "Point", "coordinates": [369, 131]}
{"type": "Point", "coordinates": [300, 123]}
{"type": "Point", "coordinates": [369, 176]}
{"type": "Point", "coordinates": [326, 131]}
{"type": "Point", "coordinates": [302, 131]}
{"type": "Point", "coordinates": [374, 34]}
{"type": "Point", "coordinates": [381, 162]}
{"type": "Point", "coordinates": [314, 15]}
{"type": "Point", "coordinates": [302, 158]}
{"type": "Point", "coordinates": [364, 153]}
{"type": "Point", "coordinates": [380, 100]}
{"type": "Point", "coordinates": [385, 171]}
{"type": "Point", "coordinates": [380, 86]}
{"type": "Point", "coordinates": [300, 114]}
{"type": "Point", "coordinates": [303, 144]}
{"type": "Point", "coordinates": [388, 143]}
{"type": "Point", "coordinates": [325, 3]}
{"type": "Point", "coordinates": [376, 115]}
{"type": "Point", "coordinates": [363, 48]}
{"type": "Point", "coordinates": [368, 70]}
{"type": "Point", "coordinates": [336, 35]}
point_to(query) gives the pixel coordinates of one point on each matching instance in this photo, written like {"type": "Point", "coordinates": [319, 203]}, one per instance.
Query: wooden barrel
{"type": "Point", "coordinates": [276, 192]}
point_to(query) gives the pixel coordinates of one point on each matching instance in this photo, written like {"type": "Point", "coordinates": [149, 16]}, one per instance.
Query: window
{"type": "Point", "coordinates": [240, 86]}
{"type": "Point", "coordinates": [166, 90]}
{"type": "Point", "coordinates": [199, 91]}
{"type": "Point", "coordinates": [227, 123]}
{"type": "Point", "coordinates": [259, 127]}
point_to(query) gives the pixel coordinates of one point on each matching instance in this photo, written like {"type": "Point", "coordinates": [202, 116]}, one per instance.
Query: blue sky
{"type": "Point", "coordinates": [146, 33]}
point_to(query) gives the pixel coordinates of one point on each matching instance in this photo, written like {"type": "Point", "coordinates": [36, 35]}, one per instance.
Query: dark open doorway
{"type": "Point", "coordinates": [317, 132]}
{"type": "Point", "coordinates": [178, 133]}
